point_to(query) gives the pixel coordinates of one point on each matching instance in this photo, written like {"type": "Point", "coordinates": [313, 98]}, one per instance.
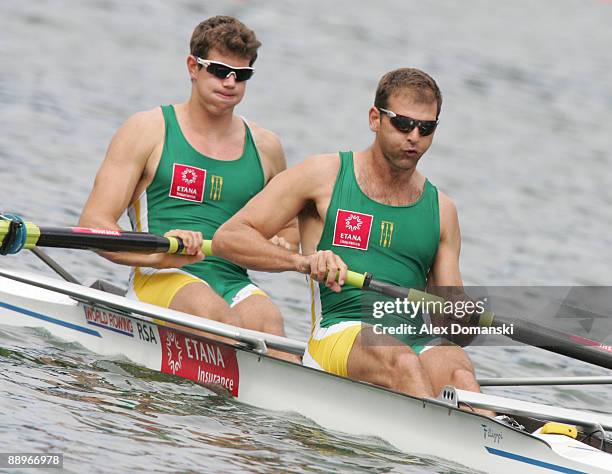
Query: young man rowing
{"type": "Point", "coordinates": [191, 166]}
{"type": "Point", "coordinates": [369, 210]}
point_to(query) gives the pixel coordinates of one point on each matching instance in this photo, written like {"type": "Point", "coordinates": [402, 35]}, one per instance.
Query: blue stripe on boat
{"type": "Point", "coordinates": [50, 319]}
{"type": "Point", "coordinates": [534, 462]}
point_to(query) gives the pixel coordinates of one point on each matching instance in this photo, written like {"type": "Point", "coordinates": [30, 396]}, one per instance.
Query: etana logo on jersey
{"type": "Point", "coordinates": [200, 360]}
{"type": "Point", "coordinates": [188, 183]}
{"type": "Point", "coordinates": [352, 229]}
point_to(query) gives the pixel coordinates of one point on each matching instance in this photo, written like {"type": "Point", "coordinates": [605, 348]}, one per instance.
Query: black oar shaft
{"type": "Point", "coordinates": [556, 341]}
{"type": "Point", "coordinates": [523, 331]}
{"type": "Point", "coordinates": [385, 289]}
{"type": "Point", "coordinates": [109, 240]}
{"type": "Point", "coordinates": [17, 234]}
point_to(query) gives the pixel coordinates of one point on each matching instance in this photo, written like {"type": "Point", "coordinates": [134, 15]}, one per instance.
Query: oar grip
{"type": "Point", "coordinates": [355, 279]}
{"type": "Point", "coordinates": [207, 248]}
{"type": "Point", "coordinates": [175, 245]}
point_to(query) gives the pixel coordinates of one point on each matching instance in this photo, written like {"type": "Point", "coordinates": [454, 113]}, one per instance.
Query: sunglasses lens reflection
{"type": "Point", "coordinates": [403, 124]}
{"type": "Point", "coordinates": [221, 71]}
{"type": "Point", "coordinates": [427, 128]}
{"type": "Point", "coordinates": [407, 125]}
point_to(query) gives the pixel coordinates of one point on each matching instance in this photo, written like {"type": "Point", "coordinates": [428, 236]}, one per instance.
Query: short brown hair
{"type": "Point", "coordinates": [420, 83]}
{"type": "Point", "coordinates": [226, 34]}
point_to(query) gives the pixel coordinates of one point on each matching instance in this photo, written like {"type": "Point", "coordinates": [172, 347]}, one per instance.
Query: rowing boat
{"type": "Point", "coordinates": [174, 343]}
{"type": "Point", "coordinates": [187, 346]}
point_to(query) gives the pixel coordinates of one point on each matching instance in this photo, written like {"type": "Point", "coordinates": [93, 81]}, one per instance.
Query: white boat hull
{"type": "Point", "coordinates": [416, 426]}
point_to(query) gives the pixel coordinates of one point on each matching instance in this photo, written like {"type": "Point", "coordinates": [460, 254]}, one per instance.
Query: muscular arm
{"type": "Point", "coordinates": [445, 277]}
{"type": "Point", "coordinates": [117, 180]}
{"type": "Point", "coordinates": [244, 238]}
{"type": "Point", "coordinates": [445, 269]}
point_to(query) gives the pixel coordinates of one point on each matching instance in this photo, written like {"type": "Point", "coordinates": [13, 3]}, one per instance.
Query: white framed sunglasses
{"type": "Point", "coordinates": [223, 71]}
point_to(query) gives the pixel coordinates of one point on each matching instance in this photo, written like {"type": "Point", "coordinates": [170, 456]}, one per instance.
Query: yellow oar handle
{"type": "Point", "coordinates": [355, 279]}
{"type": "Point", "coordinates": [175, 245]}
{"type": "Point", "coordinates": [207, 248]}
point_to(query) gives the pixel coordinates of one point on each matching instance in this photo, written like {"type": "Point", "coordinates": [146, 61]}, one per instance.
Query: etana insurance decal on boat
{"type": "Point", "coordinates": [199, 360]}
{"type": "Point", "coordinates": [352, 229]}
{"type": "Point", "coordinates": [108, 319]}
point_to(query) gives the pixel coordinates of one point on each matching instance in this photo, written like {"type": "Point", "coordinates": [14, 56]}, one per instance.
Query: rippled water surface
{"type": "Point", "coordinates": [523, 148]}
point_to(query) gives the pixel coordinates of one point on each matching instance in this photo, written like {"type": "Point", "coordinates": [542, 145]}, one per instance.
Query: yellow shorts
{"type": "Point", "coordinates": [329, 348]}
{"type": "Point", "coordinates": [159, 287]}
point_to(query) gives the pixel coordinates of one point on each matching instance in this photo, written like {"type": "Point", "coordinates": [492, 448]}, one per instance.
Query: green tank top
{"type": "Point", "coordinates": [397, 244]}
{"type": "Point", "coordinates": [192, 191]}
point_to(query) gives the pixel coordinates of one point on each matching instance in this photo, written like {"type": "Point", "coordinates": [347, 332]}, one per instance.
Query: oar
{"type": "Point", "coordinates": [13, 232]}
{"type": "Point", "coordinates": [569, 345]}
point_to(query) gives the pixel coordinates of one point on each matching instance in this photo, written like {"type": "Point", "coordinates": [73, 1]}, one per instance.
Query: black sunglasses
{"type": "Point", "coordinates": [223, 71]}
{"type": "Point", "coordinates": [407, 124]}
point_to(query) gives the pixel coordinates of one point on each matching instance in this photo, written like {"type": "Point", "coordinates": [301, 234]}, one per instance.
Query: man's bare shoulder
{"type": "Point", "coordinates": [316, 174]}
{"type": "Point", "coordinates": [311, 179]}
{"type": "Point", "coordinates": [446, 203]}
{"type": "Point", "coordinates": [449, 220]}
{"type": "Point", "coordinates": [144, 122]}
{"type": "Point", "coordinates": [326, 165]}
{"type": "Point", "coordinates": [136, 139]}
{"type": "Point", "coordinates": [263, 136]}
{"type": "Point", "coordinates": [269, 147]}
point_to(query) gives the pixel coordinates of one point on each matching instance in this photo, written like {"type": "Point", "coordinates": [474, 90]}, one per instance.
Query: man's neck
{"type": "Point", "coordinates": [205, 122]}
{"type": "Point", "coordinates": [383, 182]}
{"type": "Point", "coordinates": [386, 172]}
{"type": "Point", "coordinates": [220, 136]}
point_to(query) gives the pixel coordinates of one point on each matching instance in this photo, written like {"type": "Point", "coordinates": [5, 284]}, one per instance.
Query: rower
{"type": "Point", "coordinates": [191, 166]}
{"type": "Point", "coordinates": [367, 209]}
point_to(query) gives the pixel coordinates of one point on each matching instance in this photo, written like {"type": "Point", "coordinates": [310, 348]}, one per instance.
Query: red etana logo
{"type": "Point", "coordinates": [188, 183]}
{"type": "Point", "coordinates": [200, 360]}
{"type": "Point", "coordinates": [352, 229]}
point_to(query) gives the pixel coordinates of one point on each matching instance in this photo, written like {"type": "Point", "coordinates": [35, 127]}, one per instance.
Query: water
{"type": "Point", "coordinates": [523, 149]}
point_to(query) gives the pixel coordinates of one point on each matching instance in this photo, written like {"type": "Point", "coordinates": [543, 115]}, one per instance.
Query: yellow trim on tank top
{"type": "Point", "coordinates": [137, 214]}
{"type": "Point", "coordinates": [313, 313]}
